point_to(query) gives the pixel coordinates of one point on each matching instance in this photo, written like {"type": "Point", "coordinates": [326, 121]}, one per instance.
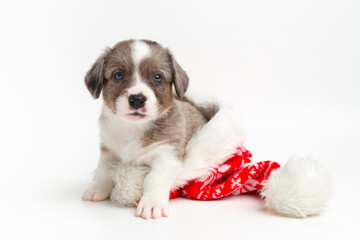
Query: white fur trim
{"type": "Point", "coordinates": [300, 188]}
{"type": "Point", "coordinates": [214, 143]}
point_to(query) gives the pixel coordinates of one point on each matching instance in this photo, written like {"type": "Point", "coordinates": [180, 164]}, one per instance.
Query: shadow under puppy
{"type": "Point", "coordinates": [142, 124]}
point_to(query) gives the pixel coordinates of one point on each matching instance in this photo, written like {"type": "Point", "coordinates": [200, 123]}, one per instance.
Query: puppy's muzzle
{"type": "Point", "coordinates": [137, 101]}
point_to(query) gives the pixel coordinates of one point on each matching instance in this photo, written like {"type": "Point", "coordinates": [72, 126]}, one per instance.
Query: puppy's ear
{"type": "Point", "coordinates": [94, 78]}
{"type": "Point", "coordinates": [180, 78]}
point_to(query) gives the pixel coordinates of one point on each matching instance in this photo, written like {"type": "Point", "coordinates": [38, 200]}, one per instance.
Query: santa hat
{"type": "Point", "coordinates": [298, 189]}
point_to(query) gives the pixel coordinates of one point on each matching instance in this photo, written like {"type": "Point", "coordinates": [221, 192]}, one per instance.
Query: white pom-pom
{"type": "Point", "coordinates": [300, 188]}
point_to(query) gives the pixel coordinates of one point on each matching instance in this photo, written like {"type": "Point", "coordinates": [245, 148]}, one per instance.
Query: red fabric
{"type": "Point", "coordinates": [233, 177]}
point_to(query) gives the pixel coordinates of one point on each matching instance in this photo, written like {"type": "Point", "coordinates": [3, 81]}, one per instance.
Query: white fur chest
{"type": "Point", "coordinates": [124, 139]}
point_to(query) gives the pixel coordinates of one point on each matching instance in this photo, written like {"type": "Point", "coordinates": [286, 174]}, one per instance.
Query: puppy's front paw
{"type": "Point", "coordinates": [151, 208]}
{"type": "Point", "coordinates": [96, 195]}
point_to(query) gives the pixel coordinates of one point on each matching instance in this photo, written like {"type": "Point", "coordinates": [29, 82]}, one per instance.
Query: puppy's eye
{"type": "Point", "coordinates": [158, 78]}
{"type": "Point", "coordinates": [118, 75]}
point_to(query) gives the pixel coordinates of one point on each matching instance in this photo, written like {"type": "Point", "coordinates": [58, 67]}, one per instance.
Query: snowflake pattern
{"type": "Point", "coordinates": [233, 177]}
{"type": "Point", "coordinates": [235, 182]}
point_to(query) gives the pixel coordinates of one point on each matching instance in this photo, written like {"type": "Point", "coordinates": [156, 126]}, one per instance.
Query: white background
{"type": "Point", "coordinates": [291, 68]}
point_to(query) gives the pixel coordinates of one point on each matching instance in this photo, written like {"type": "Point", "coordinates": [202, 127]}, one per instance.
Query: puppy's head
{"type": "Point", "coordinates": [136, 79]}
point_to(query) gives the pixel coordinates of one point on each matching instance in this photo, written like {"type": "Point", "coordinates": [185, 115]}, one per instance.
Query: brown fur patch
{"type": "Point", "coordinates": [176, 127]}
{"type": "Point", "coordinates": [158, 63]}
{"type": "Point", "coordinates": [181, 79]}
{"type": "Point", "coordinates": [207, 111]}
{"type": "Point", "coordinates": [118, 59]}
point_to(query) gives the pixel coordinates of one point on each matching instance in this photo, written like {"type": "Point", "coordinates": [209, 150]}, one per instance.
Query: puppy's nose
{"type": "Point", "coordinates": [137, 101]}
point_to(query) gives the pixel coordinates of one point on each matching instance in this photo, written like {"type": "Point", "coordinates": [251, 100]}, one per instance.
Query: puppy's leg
{"type": "Point", "coordinates": [102, 184]}
{"type": "Point", "coordinates": [157, 186]}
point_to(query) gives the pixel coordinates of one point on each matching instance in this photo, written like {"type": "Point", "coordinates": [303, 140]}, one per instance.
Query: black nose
{"type": "Point", "coordinates": [137, 101]}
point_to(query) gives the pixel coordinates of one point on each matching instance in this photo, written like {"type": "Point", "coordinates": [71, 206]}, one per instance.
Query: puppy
{"type": "Point", "coordinates": [142, 121]}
